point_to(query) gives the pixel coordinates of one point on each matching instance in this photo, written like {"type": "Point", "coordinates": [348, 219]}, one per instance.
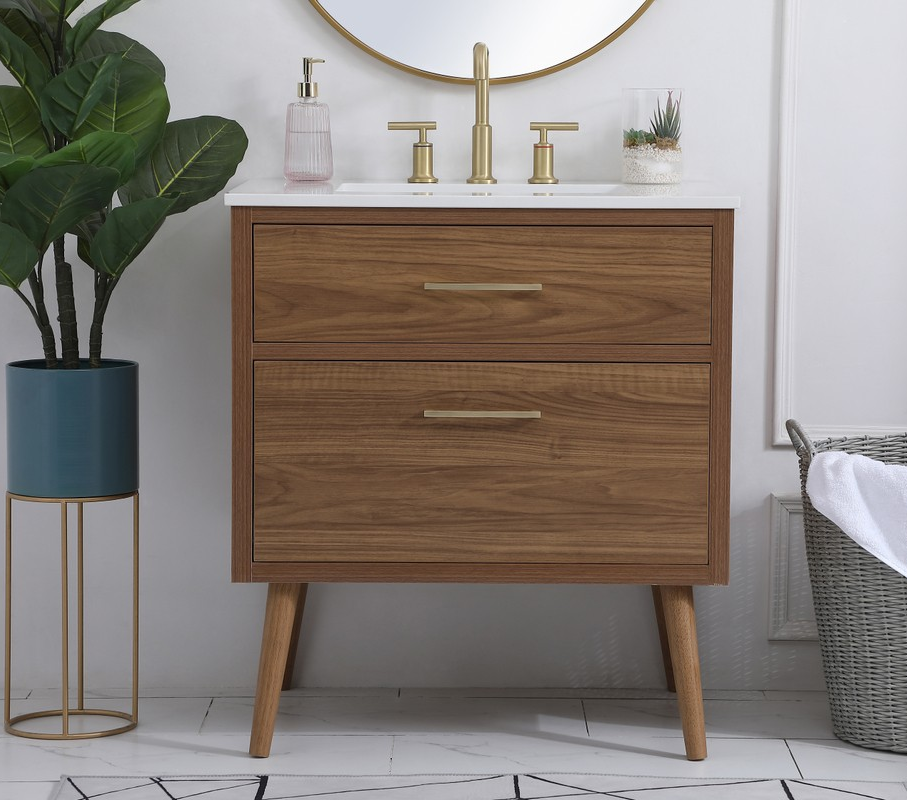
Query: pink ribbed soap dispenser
{"type": "Point", "coordinates": [308, 155]}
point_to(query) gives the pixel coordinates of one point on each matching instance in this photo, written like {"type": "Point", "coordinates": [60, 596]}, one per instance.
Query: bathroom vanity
{"type": "Point", "coordinates": [481, 384]}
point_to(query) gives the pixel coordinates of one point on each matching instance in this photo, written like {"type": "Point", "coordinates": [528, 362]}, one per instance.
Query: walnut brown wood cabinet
{"type": "Point", "coordinates": [481, 394]}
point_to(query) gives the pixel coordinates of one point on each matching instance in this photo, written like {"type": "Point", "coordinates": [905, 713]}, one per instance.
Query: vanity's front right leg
{"type": "Point", "coordinates": [280, 617]}
{"type": "Point", "coordinates": [294, 638]}
{"type": "Point", "coordinates": [680, 624]}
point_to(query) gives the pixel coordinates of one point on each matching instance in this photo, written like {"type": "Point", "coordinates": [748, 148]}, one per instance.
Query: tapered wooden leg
{"type": "Point", "coordinates": [294, 638]}
{"type": "Point", "coordinates": [280, 614]}
{"type": "Point", "coordinates": [663, 638]}
{"type": "Point", "coordinates": [680, 624]}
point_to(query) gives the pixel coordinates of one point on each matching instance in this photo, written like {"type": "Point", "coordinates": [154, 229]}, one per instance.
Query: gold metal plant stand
{"type": "Point", "coordinates": [65, 711]}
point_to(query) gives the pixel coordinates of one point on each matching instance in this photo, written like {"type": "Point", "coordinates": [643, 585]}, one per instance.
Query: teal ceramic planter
{"type": "Point", "coordinates": [72, 432]}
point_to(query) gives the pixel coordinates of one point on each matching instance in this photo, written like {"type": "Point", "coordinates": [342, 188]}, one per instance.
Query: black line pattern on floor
{"type": "Point", "coordinates": [840, 791]}
{"type": "Point", "coordinates": [256, 787]}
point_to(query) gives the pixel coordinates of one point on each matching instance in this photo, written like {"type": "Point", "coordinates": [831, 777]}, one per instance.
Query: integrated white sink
{"type": "Point", "coordinates": [481, 190]}
{"type": "Point", "coordinates": [459, 194]}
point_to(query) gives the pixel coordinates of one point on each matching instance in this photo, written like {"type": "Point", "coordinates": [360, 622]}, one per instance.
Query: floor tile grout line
{"type": "Point", "coordinates": [793, 757]}
{"type": "Point", "coordinates": [205, 718]}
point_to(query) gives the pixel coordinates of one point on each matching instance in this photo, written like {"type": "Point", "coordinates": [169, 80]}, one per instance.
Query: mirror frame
{"type": "Point", "coordinates": [506, 79]}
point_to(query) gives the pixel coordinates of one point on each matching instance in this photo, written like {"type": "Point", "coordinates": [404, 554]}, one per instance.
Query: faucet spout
{"type": "Point", "coordinates": [481, 131]}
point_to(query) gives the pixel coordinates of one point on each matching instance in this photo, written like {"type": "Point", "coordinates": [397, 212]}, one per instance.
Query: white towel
{"type": "Point", "coordinates": [866, 499]}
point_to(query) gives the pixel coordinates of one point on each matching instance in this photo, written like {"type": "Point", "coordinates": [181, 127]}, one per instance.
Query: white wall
{"type": "Point", "coordinates": [172, 314]}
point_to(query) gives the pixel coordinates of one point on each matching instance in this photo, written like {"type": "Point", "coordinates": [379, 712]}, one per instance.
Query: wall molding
{"type": "Point", "coordinates": [786, 228]}
{"type": "Point", "coordinates": [787, 515]}
{"type": "Point", "coordinates": [786, 247]}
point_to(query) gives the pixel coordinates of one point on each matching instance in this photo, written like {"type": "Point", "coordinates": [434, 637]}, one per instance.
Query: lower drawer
{"type": "Point", "coordinates": [481, 463]}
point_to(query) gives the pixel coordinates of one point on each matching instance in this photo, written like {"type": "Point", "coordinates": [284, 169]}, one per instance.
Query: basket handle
{"type": "Point", "coordinates": [800, 439]}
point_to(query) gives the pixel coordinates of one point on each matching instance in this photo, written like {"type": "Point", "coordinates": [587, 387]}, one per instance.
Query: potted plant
{"type": "Point", "coordinates": [652, 154]}
{"type": "Point", "coordinates": [88, 161]}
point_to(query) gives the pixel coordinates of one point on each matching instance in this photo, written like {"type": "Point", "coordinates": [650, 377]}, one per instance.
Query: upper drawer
{"type": "Point", "coordinates": [362, 283]}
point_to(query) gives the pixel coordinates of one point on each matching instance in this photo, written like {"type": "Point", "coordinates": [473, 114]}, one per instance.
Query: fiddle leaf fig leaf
{"type": "Point", "coordinates": [18, 256]}
{"type": "Point", "coordinates": [48, 201]}
{"type": "Point", "coordinates": [13, 167]}
{"type": "Point", "coordinates": [193, 162]}
{"type": "Point", "coordinates": [102, 43]}
{"type": "Point", "coordinates": [135, 103]}
{"type": "Point", "coordinates": [83, 248]}
{"type": "Point", "coordinates": [21, 132]}
{"type": "Point", "coordinates": [52, 7]}
{"type": "Point", "coordinates": [127, 232]}
{"type": "Point", "coordinates": [23, 64]}
{"type": "Point", "coordinates": [30, 11]}
{"type": "Point", "coordinates": [87, 227]}
{"type": "Point", "coordinates": [70, 97]}
{"type": "Point", "coordinates": [93, 20]}
{"type": "Point", "coordinates": [101, 148]}
{"type": "Point", "coordinates": [39, 38]}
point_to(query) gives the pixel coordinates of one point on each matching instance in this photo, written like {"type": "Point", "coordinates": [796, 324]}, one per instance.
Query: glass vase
{"type": "Point", "coordinates": [652, 126]}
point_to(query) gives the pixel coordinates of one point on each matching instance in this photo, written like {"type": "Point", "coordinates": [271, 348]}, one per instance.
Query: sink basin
{"type": "Point", "coordinates": [480, 190]}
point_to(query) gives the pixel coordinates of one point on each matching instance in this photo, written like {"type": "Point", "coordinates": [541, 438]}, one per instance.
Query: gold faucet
{"type": "Point", "coordinates": [481, 131]}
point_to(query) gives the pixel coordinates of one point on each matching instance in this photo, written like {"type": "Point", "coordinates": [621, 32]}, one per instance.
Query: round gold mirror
{"type": "Point", "coordinates": [525, 38]}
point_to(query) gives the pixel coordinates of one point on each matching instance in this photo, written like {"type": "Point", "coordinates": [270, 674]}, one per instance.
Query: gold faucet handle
{"type": "Point", "coordinates": [544, 127]}
{"type": "Point", "coordinates": [423, 167]}
{"type": "Point", "coordinates": [543, 150]}
{"type": "Point", "coordinates": [422, 127]}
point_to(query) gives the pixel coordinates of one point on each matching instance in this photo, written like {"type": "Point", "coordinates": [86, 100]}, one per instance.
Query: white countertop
{"type": "Point", "coordinates": [364, 194]}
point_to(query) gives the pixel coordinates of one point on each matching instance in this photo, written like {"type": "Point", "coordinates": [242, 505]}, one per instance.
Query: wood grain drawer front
{"type": "Point", "coordinates": [324, 283]}
{"type": "Point", "coordinates": [348, 468]}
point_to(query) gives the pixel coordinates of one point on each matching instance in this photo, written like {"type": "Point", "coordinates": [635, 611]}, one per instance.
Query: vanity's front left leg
{"type": "Point", "coordinates": [280, 616]}
{"type": "Point", "coordinates": [680, 622]}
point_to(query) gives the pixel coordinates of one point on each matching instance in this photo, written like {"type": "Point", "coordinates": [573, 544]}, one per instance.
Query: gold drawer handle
{"type": "Point", "coordinates": [484, 287]}
{"type": "Point", "coordinates": [482, 414]}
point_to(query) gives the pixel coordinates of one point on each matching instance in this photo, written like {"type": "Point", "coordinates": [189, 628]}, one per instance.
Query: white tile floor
{"type": "Point", "coordinates": [409, 731]}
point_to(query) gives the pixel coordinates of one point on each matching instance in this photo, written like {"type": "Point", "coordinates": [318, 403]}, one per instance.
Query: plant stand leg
{"type": "Point", "coordinates": [7, 671]}
{"type": "Point", "coordinates": [663, 638]}
{"type": "Point", "coordinates": [294, 638]}
{"type": "Point", "coordinates": [680, 623]}
{"type": "Point", "coordinates": [283, 599]}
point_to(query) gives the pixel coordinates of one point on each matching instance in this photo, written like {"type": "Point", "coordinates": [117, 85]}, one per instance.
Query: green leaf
{"type": "Point", "coordinates": [28, 9]}
{"type": "Point", "coordinates": [88, 226]}
{"type": "Point", "coordinates": [135, 103]}
{"type": "Point", "coordinates": [102, 43]}
{"type": "Point", "coordinates": [13, 167]}
{"type": "Point", "coordinates": [22, 63]}
{"type": "Point", "coordinates": [52, 7]}
{"type": "Point", "coordinates": [49, 201]}
{"type": "Point", "coordinates": [86, 26]}
{"type": "Point", "coordinates": [101, 148]}
{"type": "Point", "coordinates": [18, 256]}
{"type": "Point", "coordinates": [83, 248]}
{"type": "Point", "coordinates": [40, 41]}
{"type": "Point", "coordinates": [193, 161]}
{"type": "Point", "coordinates": [21, 132]}
{"type": "Point", "coordinates": [127, 232]}
{"type": "Point", "coordinates": [70, 97]}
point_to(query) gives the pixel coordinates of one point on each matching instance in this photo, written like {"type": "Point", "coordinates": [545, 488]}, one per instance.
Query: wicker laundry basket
{"type": "Point", "coordinates": [861, 611]}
